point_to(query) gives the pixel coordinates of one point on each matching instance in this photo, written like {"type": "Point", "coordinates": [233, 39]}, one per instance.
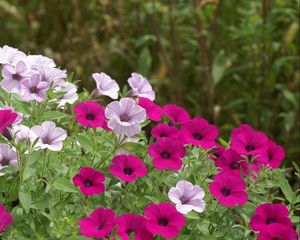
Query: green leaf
{"type": "Point", "coordinates": [286, 188]}
{"type": "Point", "coordinates": [219, 67]}
{"type": "Point", "coordinates": [144, 61]}
{"type": "Point", "coordinates": [134, 147]}
{"type": "Point", "coordinates": [55, 115]}
{"type": "Point", "coordinates": [85, 142]}
{"type": "Point", "coordinates": [25, 199]}
{"type": "Point", "coordinates": [64, 185]}
{"type": "Point", "coordinates": [192, 215]}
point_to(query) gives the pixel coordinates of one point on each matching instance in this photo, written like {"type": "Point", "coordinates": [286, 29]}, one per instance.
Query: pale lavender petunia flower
{"type": "Point", "coordinates": [187, 197]}
{"type": "Point", "coordinates": [22, 133]}
{"type": "Point", "coordinates": [10, 55]}
{"type": "Point", "coordinates": [49, 136]}
{"type": "Point", "coordinates": [124, 117]}
{"type": "Point", "coordinates": [40, 60]}
{"type": "Point", "coordinates": [105, 86]}
{"type": "Point", "coordinates": [140, 86]}
{"type": "Point", "coordinates": [33, 88]}
{"type": "Point", "coordinates": [53, 76]}
{"type": "Point", "coordinates": [70, 95]}
{"type": "Point", "coordinates": [13, 75]}
{"type": "Point", "coordinates": [8, 157]}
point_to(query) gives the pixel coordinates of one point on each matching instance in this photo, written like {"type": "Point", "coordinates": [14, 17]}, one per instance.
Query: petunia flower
{"type": "Point", "coordinates": [200, 133]}
{"type": "Point", "coordinates": [70, 93]}
{"type": "Point", "coordinates": [124, 117]}
{"type": "Point", "coordinates": [133, 225]}
{"type": "Point", "coordinates": [8, 157]}
{"type": "Point", "coordinates": [164, 219]}
{"type": "Point", "coordinates": [53, 76]}
{"type": "Point", "coordinates": [232, 161]}
{"type": "Point", "coordinates": [22, 133]}
{"type": "Point", "coordinates": [154, 112]}
{"type": "Point", "coordinates": [127, 167]}
{"type": "Point", "coordinates": [187, 197]}
{"type": "Point", "coordinates": [99, 224]}
{"type": "Point", "coordinates": [49, 136]}
{"type": "Point", "coordinates": [167, 153]}
{"type": "Point", "coordinates": [266, 214]}
{"type": "Point", "coordinates": [6, 219]}
{"type": "Point", "coordinates": [176, 114]}
{"type": "Point", "coordinates": [105, 86]}
{"type": "Point", "coordinates": [33, 88]}
{"type": "Point", "coordinates": [275, 154]}
{"type": "Point", "coordinates": [140, 86]}
{"type": "Point", "coordinates": [7, 117]}
{"type": "Point", "coordinates": [229, 189]}
{"type": "Point", "coordinates": [10, 55]}
{"type": "Point", "coordinates": [164, 130]}
{"type": "Point", "coordinates": [90, 181]}
{"type": "Point", "coordinates": [277, 231]}
{"type": "Point", "coordinates": [89, 114]}
{"type": "Point", "coordinates": [13, 75]}
{"type": "Point", "coordinates": [217, 153]}
{"type": "Point", "coordinates": [40, 60]}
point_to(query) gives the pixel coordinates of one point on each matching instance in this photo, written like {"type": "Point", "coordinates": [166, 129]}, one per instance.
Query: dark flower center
{"type": "Point", "coordinates": [16, 76]}
{"type": "Point", "coordinates": [270, 156]}
{"type": "Point", "coordinates": [225, 192]}
{"type": "Point", "coordinates": [130, 231]}
{"type": "Point", "coordinates": [184, 200]}
{"type": "Point", "coordinates": [128, 171]}
{"type": "Point", "coordinates": [100, 227]}
{"type": "Point", "coordinates": [47, 140]}
{"type": "Point", "coordinates": [163, 221]}
{"type": "Point", "coordinates": [165, 155]}
{"type": "Point", "coordinates": [90, 117]}
{"type": "Point", "coordinates": [234, 165]}
{"type": "Point", "coordinates": [87, 183]}
{"type": "Point", "coordinates": [124, 117]}
{"type": "Point", "coordinates": [276, 238]}
{"type": "Point", "coordinates": [34, 90]}
{"type": "Point", "coordinates": [5, 162]}
{"type": "Point", "coordinates": [197, 136]}
{"type": "Point", "coordinates": [270, 220]}
{"type": "Point", "coordinates": [250, 148]}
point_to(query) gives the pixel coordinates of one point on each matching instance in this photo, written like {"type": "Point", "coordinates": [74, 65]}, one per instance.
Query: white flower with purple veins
{"type": "Point", "coordinates": [70, 95]}
{"type": "Point", "coordinates": [49, 136]}
{"type": "Point", "coordinates": [40, 60]}
{"type": "Point", "coordinates": [187, 197]}
{"type": "Point", "coordinates": [140, 87]}
{"type": "Point", "coordinates": [13, 75]}
{"type": "Point", "coordinates": [8, 157]}
{"type": "Point", "coordinates": [105, 86]}
{"type": "Point", "coordinates": [124, 117]}
{"type": "Point", "coordinates": [10, 55]}
{"type": "Point", "coordinates": [22, 133]}
{"type": "Point", "coordinates": [53, 76]}
{"type": "Point", "coordinates": [33, 88]}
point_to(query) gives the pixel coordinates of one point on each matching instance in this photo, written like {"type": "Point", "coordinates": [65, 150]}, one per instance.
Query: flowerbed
{"type": "Point", "coordinates": [72, 168]}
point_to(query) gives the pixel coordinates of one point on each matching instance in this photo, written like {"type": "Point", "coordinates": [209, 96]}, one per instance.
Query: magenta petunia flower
{"type": "Point", "coordinates": [13, 75]}
{"type": "Point", "coordinates": [49, 136]}
{"type": "Point", "coordinates": [217, 153]}
{"type": "Point", "coordinates": [90, 181]}
{"type": "Point", "coordinates": [241, 128]}
{"type": "Point", "coordinates": [124, 117]}
{"type": "Point", "coordinates": [275, 154]}
{"type": "Point", "coordinates": [7, 117]}
{"type": "Point", "coordinates": [200, 133]}
{"type": "Point", "coordinates": [105, 86]}
{"type": "Point", "coordinates": [176, 114]}
{"type": "Point", "coordinates": [8, 156]}
{"type": "Point", "coordinates": [232, 161]}
{"type": "Point", "coordinates": [140, 86]}
{"type": "Point", "coordinates": [187, 197]}
{"type": "Point", "coordinates": [133, 225]}
{"type": "Point", "coordinates": [127, 168]}
{"type": "Point", "coordinates": [268, 213]}
{"type": "Point", "coordinates": [99, 224]}
{"type": "Point", "coordinates": [277, 231]}
{"type": "Point", "coordinates": [164, 219]}
{"type": "Point", "coordinates": [249, 142]}
{"type": "Point", "coordinates": [154, 112]}
{"type": "Point", "coordinates": [229, 189]}
{"type": "Point", "coordinates": [164, 130]}
{"type": "Point", "coordinates": [167, 153]}
{"type": "Point", "coordinates": [6, 219]}
{"type": "Point", "coordinates": [33, 88]}
{"type": "Point", "coordinates": [89, 114]}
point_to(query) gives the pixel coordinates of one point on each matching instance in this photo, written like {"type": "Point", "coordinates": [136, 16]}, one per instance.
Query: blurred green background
{"type": "Point", "coordinates": [230, 61]}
